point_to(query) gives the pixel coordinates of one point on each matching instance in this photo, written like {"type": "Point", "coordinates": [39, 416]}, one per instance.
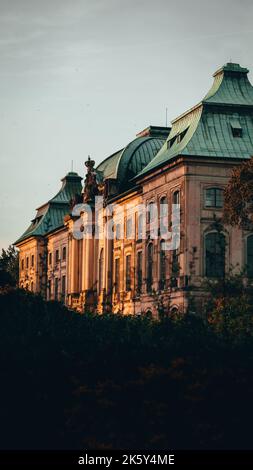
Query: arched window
{"type": "Point", "coordinates": [164, 215]}
{"type": "Point", "coordinates": [32, 286]}
{"type": "Point", "coordinates": [214, 197]}
{"type": "Point", "coordinates": [149, 267]}
{"type": "Point", "coordinates": [151, 212]}
{"type": "Point", "coordinates": [176, 197]}
{"type": "Point", "coordinates": [101, 271]}
{"type": "Point", "coordinates": [64, 253]}
{"type": "Point", "coordinates": [250, 256]}
{"type": "Point", "coordinates": [163, 207]}
{"type": "Point", "coordinates": [162, 265]}
{"type": "Point", "coordinates": [214, 254]}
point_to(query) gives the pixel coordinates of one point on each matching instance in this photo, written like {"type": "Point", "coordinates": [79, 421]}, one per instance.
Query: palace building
{"type": "Point", "coordinates": [66, 255]}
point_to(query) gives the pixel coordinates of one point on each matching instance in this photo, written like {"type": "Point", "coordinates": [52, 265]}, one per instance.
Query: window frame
{"type": "Point", "coordinates": [214, 232]}
{"type": "Point", "coordinates": [128, 283]}
{"type": "Point", "coordinates": [215, 189]}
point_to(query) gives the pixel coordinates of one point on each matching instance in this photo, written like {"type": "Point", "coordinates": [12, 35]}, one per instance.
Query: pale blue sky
{"type": "Point", "coordinates": [82, 77]}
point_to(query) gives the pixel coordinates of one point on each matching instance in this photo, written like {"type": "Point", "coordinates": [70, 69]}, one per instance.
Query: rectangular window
{"type": "Point", "coordinates": [22, 264]}
{"type": "Point", "coordinates": [129, 228]}
{"type": "Point", "coordinates": [56, 288]}
{"type": "Point", "coordinates": [139, 271]}
{"type": "Point", "coordinates": [49, 289]}
{"type": "Point", "coordinates": [118, 232]}
{"type": "Point", "coordinates": [140, 227]}
{"type": "Point", "coordinates": [50, 258]}
{"type": "Point", "coordinates": [57, 258]}
{"type": "Point", "coordinates": [27, 262]}
{"type": "Point", "coordinates": [117, 274]}
{"type": "Point", "coordinates": [64, 253]}
{"type": "Point", "coordinates": [32, 260]}
{"type": "Point", "coordinates": [63, 286]}
{"type": "Point", "coordinates": [128, 272]}
{"type": "Point", "coordinates": [214, 197]}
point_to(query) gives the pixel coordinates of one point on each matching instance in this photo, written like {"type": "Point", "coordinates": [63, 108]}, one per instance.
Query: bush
{"type": "Point", "coordinates": [89, 381]}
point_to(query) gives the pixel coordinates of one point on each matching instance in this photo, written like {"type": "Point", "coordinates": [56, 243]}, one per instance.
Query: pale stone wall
{"type": "Point", "coordinates": [91, 281]}
{"type": "Point", "coordinates": [32, 259]}
{"type": "Point", "coordinates": [57, 265]}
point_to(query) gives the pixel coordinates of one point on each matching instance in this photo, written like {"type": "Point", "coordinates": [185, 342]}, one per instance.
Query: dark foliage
{"type": "Point", "coordinates": [83, 381]}
{"type": "Point", "coordinates": [9, 267]}
{"type": "Point", "coordinates": [238, 207]}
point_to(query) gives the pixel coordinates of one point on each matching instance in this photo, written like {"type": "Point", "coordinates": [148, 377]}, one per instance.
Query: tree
{"type": "Point", "coordinates": [238, 204]}
{"type": "Point", "coordinates": [9, 266]}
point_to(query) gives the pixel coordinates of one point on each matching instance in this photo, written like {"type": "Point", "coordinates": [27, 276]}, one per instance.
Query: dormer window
{"type": "Point", "coordinates": [181, 135]}
{"type": "Point", "coordinates": [171, 142]}
{"type": "Point", "coordinates": [236, 128]}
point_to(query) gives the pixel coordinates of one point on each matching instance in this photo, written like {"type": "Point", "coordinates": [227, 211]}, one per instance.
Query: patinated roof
{"type": "Point", "coordinates": [127, 162]}
{"type": "Point", "coordinates": [207, 129]}
{"type": "Point", "coordinates": [50, 216]}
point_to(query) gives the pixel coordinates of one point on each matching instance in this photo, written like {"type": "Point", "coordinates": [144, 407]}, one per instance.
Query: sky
{"type": "Point", "coordinates": [82, 77]}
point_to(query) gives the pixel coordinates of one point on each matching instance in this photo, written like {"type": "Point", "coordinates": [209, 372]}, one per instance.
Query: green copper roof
{"type": "Point", "coordinates": [231, 86]}
{"type": "Point", "coordinates": [127, 162]}
{"type": "Point", "coordinates": [207, 129]}
{"type": "Point", "coordinates": [50, 216]}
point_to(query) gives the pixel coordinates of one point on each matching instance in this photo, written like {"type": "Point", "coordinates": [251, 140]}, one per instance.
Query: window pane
{"type": "Point", "coordinates": [150, 267]}
{"type": "Point", "coordinates": [176, 198]}
{"type": "Point", "coordinates": [118, 232]}
{"type": "Point", "coordinates": [128, 272]}
{"type": "Point", "coordinates": [214, 197]}
{"type": "Point", "coordinates": [56, 289]}
{"type": "Point", "coordinates": [140, 227]}
{"type": "Point", "coordinates": [215, 255]}
{"type": "Point", "coordinates": [219, 198]}
{"type": "Point", "coordinates": [163, 207]}
{"type": "Point", "coordinates": [162, 265]}
{"type": "Point", "coordinates": [151, 212]}
{"type": "Point", "coordinates": [101, 271]}
{"type": "Point", "coordinates": [129, 228]}
{"type": "Point", "coordinates": [139, 271]}
{"type": "Point", "coordinates": [117, 275]}
{"type": "Point", "coordinates": [210, 198]}
{"type": "Point", "coordinates": [63, 288]}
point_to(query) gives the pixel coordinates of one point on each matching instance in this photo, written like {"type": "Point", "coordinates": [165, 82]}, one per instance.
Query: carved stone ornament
{"type": "Point", "coordinates": [90, 185]}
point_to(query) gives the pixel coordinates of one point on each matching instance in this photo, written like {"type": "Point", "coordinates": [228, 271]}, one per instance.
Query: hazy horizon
{"type": "Point", "coordinates": [81, 77]}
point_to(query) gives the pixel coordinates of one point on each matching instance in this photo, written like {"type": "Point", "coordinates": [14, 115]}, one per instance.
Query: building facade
{"type": "Point", "coordinates": [66, 253]}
